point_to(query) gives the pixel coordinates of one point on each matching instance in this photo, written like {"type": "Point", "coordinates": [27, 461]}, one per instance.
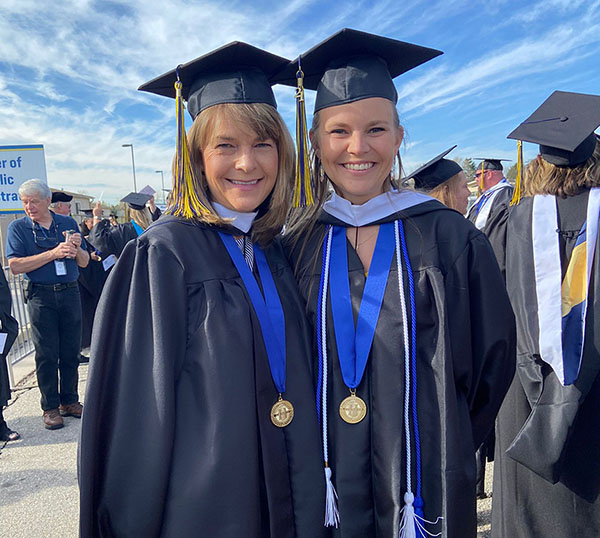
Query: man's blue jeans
{"type": "Point", "coordinates": [56, 330]}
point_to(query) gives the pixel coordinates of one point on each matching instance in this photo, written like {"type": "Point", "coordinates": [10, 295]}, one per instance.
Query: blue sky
{"type": "Point", "coordinates": [69, 72]}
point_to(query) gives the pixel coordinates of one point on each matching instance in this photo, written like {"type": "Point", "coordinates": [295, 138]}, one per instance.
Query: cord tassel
{"type": "Point", "coordinates": [332, 515]}
{"type": "Point", "coordinates": [185, 201]}
{"type": "Point", "coordinates": [303, 195]}
{"type": "Point", "coordinates": [408, 523]}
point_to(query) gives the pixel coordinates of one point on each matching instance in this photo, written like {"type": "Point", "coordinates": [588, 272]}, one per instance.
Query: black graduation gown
{"type": "Point", "coordinates": [548, 482]}
{"type": "Point", "coordinates": [495, 226]}
{"type": "Point", "coordinates": [11, 327]}
{"type": "Point", "coordinates": [91, 281]}
{"type": "Point", "coordinates": [109, 239]}
{"type": "Point", "coordinates": [465, 364]}
{"type": "Point", "coordinates": [177, 439]}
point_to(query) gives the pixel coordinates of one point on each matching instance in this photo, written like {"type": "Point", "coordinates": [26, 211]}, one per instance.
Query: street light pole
{"type": "Point", "coordinates": [162, 180]}
{"type": "Point", "coordinates": [132, 165]}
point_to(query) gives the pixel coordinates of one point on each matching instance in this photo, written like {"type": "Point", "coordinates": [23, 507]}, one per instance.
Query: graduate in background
{"type": "Point", "coordinates": [10, 327]}
{"type": "Point", "coordinates": [490, 211]}
{"type": "Point", "coordinates": [444, 180]}
{"type": "Point", "coordinates": [200, 415]}
{"type": "Point", "coordinates": [110, 239]}
{"type": "Point", "coordinates": [547, 469]}
{"type": "Point", "coordinates": [408, 392]}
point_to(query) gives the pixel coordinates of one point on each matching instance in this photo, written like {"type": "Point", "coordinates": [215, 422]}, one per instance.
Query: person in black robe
{"type": "Point", "coordinates": [444, 315]}
{"type": "Point", "coordinates": [180, 435]}
{"type": "Point", "coordinates": [10, 326]}
{"type": "Point", "coordinates": [443, 180]}
{"type": "Point", "coordinates": [489, 213]}
{"type": "Point", "coordinates": [547, 470]}
{"type": "Point", "coordinates": [110, 239]}
{"type": "Point", "coordinates": [91, 281]}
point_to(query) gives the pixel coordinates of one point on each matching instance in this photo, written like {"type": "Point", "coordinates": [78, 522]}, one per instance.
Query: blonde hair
{"type": "Point", "coordinates": [141, 217]}
{"type": "Point", "coordinates": [542, 177]}
{"type": "Point", "coordinates": [266, 122]}
{"type": "Point", "coordinates": [444, 192]}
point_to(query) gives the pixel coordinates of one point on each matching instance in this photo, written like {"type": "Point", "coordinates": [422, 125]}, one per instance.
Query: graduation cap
{"type": "Point", "coordinates": [234, 73]}
{"type": "Point", "coordinates": [491, 164]}
{"type": "Point", "coordinates": [136, 200]}
{"type": "Point", "coordinates": [88, 213]}
{"type": "Point", "coordinates": [351, 65]}
{"type": "Point", "coordinates": [435, 172]}
{"type": "Point", "coordinates": [59, 196]}
{"type": "Point", "coordinates": [564, 128]}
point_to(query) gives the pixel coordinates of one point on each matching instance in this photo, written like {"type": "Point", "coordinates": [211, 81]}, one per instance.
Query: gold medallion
{"type": "Point", "coordinates": [282, 413]}
{"type": "Point", "coordinates": [353, 409]}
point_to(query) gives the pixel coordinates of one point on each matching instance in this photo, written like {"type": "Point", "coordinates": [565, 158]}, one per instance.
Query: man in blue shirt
{"type": "Point", "coordinates": [37, 245]}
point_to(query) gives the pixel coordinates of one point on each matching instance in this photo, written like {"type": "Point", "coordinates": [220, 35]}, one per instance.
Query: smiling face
{"type": "Point", "coordinates": [357, 143]}
{"type": "Point", "coordinates": [240, 167]}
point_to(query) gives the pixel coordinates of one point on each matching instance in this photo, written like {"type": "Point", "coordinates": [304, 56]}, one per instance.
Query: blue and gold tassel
{"type": "Point", "coordinates": [519, 181]}
{"type": "Point", "coordinates": [303, 195]}
{"type": "Point", "coordinates": [185, 201]}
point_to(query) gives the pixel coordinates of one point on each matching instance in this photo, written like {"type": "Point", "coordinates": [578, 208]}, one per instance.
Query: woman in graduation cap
{"type": "Point", "coordinates": [443, 180]}
{"type": "Point", "coordinates": [547, 469]}
{"type": "Point", "coordinates": [201, 413]}
{"type": "Point", "coordinates": [110, 240]}
{"type": "Point", "coordinates": [408, 391]}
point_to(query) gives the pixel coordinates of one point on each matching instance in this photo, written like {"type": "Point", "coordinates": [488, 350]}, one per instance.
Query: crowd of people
{"type": "Point", "coordinates": [323, 347]}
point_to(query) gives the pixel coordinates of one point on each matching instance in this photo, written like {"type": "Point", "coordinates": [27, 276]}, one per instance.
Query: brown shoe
{"type": "Point", "coordinates": [71, 410]}
{"type": "Point", "coordinates": [52, 419]}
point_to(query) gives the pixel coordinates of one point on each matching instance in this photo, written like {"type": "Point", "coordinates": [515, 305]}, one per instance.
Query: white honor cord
{"type": "Point", "coordinates": [332, 516]}
{"type": "Point", "coordinates": [409, 521]}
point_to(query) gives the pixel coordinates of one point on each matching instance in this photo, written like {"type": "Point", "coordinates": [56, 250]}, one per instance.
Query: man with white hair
{"type": "Point", "coordinates": [47, 248]}
{"type": "Point", "coordinates": [61, 203]}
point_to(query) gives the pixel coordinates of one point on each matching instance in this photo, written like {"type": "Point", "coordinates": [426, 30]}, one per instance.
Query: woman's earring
{"type": "Point", "coordinates": [321, 173]}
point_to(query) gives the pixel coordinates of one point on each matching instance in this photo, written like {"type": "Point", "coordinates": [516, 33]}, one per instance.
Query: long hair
{"type": "Point", "coordinates": [542, 177]}
{"type": "Point", "coordinates": [444, 192]}
{"type": "Point", "coordinates": [266, 122]}
{"type": "Point", "coordinates": [141, 217]}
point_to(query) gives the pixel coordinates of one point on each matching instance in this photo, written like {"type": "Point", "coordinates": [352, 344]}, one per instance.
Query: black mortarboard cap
{"type": "Point", "coordinates": [136, 200]}
{"type": "Point", "coordinates": [351, 65]}
{"type": "Point", "coordinates": [59, 196]}
{"type": "Point", "coordinates": [435, 172]}
{"type": "Point", "coordinates": [87, 212]}
{"type": "Point", "coordinates": [234, 73]}
{"type": "Point", "coordinates": [564, 128]}
{"type": "Point", "coordinates": [490, 164]}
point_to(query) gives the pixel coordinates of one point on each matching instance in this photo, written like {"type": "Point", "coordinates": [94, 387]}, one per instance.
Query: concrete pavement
{"type": "Point", "coordinates": [39, 497]}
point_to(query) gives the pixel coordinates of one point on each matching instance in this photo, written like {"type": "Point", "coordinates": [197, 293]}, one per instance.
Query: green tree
{"type": "Point", "coordinates": [511, 175]}
{"type": "Point", "coordinates": [468, 167]}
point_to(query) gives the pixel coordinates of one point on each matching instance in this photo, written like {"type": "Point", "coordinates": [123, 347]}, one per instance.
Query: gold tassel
{"type": "Point", "coordinates": [185, 201]}
{"type": "Point", "coordinates": [303, 195]}
{"type": "Point", "coordinates": [519, 181]}
{"type": "Point", "coordinates": [481, 177]}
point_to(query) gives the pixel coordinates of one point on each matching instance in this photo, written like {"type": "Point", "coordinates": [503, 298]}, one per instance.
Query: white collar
{"type": "Point", "coordinates": [375, 209]}
{"type": "Point", "coordinates": [242, 221]}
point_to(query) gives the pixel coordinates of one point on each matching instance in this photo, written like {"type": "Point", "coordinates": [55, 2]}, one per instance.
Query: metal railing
{"type": "Point", "coordinates": [23, 344]}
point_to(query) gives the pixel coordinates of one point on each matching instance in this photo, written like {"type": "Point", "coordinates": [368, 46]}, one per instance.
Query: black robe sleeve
{"type": "Point", "coordinates": [110, 239]}
{"type": "Point", "coordinates": [11, 327]}
{"type": "Point", "coordinates": [475, 287]}
{"type": "Point", "coordinates": [138, 345]}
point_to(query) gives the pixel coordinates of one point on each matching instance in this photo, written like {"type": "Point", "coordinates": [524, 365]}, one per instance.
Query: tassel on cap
{"type": "Point", "coordinates": [519, 181]}
{"type": "Point", "coordinates": [303, 195]}
{"type": "Point", "coordinates": [481, 177]}
{"type": "Point", "coordinates": [185, 201]}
